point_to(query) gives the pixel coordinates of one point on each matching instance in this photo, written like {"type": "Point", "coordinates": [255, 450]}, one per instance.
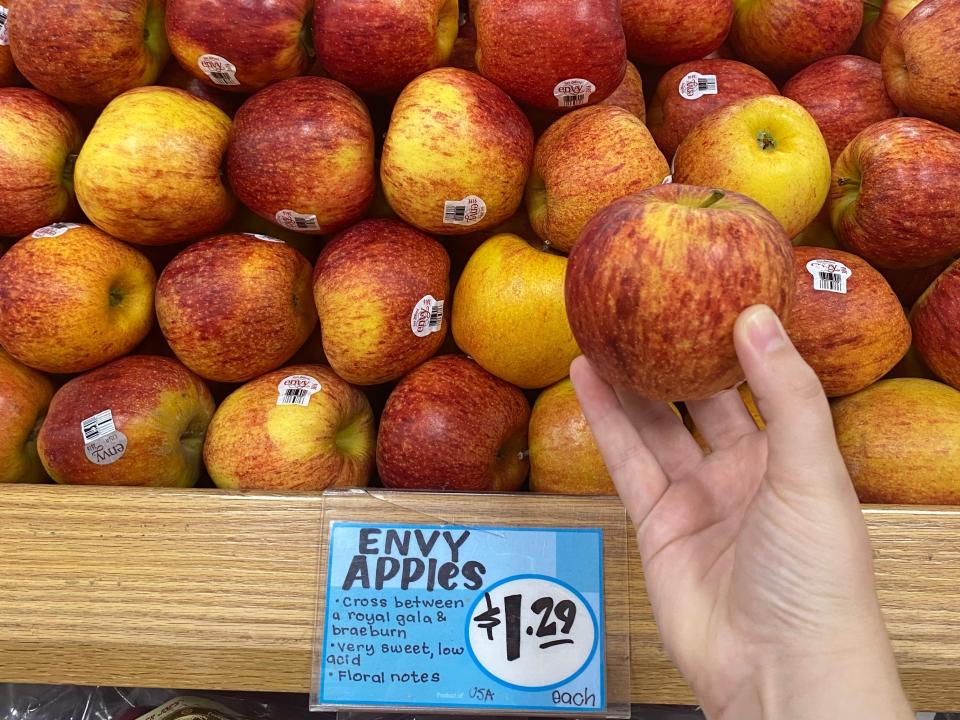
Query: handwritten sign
{"type": "Point", "coordinates": [449, 617]}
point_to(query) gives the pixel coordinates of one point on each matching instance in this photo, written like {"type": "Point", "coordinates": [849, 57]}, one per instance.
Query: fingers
{"type": "Point", "coordinates": [638, 477]}
{"type": "Point", "coordinates": [722, 419]}
{"type": "Point", "coordinates": [662, 430]}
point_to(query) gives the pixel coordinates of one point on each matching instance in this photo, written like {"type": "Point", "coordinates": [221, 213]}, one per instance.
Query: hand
{"type": "Point", "coordinates": [756, 556]}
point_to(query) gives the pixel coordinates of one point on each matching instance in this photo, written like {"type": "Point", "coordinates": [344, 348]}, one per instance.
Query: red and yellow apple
{"type": "Point", "coordinates": [150, 170]}
{"type": "Point", "coordinates": [236, 306]}
{"type": "Point", "coordinates": [668, 32]}
{"type": "Point", "coordinates": [629, 94]}
{"type": "Point", "coordinates": [140, 420]}
{"type": "Point", "coordinates": [936, 326]}
{"type": "Point", "coordinates": [615, 156]}
{"type": "Point", "coordinates": [880, 19]}
{"type": "Point", "coordinates": [24, 397]}
{"type": "Point", "coordinates": [451, 425]}
{"type": "Point", "coordinates": [297, 428]}
{"type": "Point", "coordinates": [657, 280]}
{"type": "Point", "coordinates": [72, 298]}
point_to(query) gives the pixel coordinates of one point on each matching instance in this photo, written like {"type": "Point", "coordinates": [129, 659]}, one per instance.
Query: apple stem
{"type": "Point", "coordinates": [766, 140]}
{"type": "Point", "coordinates": [712, 200]}
{"type": "Point", "coordinates": [842, 182]}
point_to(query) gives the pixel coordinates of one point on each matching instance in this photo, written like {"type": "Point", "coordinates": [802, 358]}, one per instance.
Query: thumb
{"type": "Point", "coordinates": [802, 445]}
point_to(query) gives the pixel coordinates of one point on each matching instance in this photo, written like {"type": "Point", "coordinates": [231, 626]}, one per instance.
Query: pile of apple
{"type": "Point", "coordinates": [238, 232]}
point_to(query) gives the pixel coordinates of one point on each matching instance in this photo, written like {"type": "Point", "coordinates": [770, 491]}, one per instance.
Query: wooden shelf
{"type": "Point", "coordinates": [213, 590]}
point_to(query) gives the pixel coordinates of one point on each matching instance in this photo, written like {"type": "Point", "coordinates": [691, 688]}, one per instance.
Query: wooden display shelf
{"type": "Point", "coordinates": [213, 590]}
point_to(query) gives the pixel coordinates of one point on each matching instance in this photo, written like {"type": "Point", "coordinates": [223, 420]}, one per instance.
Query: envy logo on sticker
{"type": "Point", "coordinates": [468, 211]}
{"type": "Point", "coordinates": [55, 230]}
{"type": "Point", "coordinates": [694, 86]}
{"type": "Point", "coordinates": [300, 222]}
{"type": "Point", "coordinates": [427, 316]}
{"type": "Point", "coordinates": [297, 390]}
{"type": "Point", "coordinates": [103, 444]}
{"type": "Point", "coordinates": [829, 275]}
{"type": "Point", "coordinates": [573, 92]}
{"type": "Point", "coordinates": [220, 70]}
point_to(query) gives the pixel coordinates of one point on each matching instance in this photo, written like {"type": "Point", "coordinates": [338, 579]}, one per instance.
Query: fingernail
{"type": "Point", "coordinates": [764, 330]}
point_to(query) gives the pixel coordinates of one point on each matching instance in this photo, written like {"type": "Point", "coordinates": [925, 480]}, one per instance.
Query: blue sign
{"type": "Point", "coordinates": [453, 617]}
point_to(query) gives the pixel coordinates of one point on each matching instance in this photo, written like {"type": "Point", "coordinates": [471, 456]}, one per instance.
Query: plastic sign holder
{"type": "Point", "coordinates": [472, 604]}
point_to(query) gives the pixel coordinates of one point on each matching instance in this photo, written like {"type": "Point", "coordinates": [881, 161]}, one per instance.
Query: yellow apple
{"type": "Point", "coordinates": [24, 397]}
{"type": "Point", "coordinates": [509, 313]}
{"type": "Point", "coordinates": [768, 148]}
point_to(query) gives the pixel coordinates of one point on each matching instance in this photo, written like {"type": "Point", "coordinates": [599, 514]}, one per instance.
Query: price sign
{"type": "Point", "coordinates": [449, 617]}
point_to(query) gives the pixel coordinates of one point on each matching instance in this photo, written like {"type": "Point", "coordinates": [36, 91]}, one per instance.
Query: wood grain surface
{"type": "Point", "coordinates": [213, 590]}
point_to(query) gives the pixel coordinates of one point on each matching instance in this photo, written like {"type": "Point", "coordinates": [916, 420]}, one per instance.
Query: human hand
{"type": "Point", "coordinates": [756, 556]}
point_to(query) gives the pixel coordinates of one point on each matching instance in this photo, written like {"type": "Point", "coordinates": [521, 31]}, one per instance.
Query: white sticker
{"type": "Point", "coordinates": [98, 426]}
{"type": "Point", "coordinates": [4, 37]}
{"type": "Point", "coordinates": [55, 230]}
{"type": "Point", "coordinates": [265, 238]}
{"type": "Point", "coordinates": [297, 390]}
{"type": "Point", "coordinates": [829, 275]}
{"type": "Point", "coordinates": [667, 180]}
{"type": "Point", "coordinates": [292, 220]}
{"type": "Point", "coordinates": [220, 70]}
{"type": "Point", "coordinates": [694, 85]}
{"type": "Point", "coordinates": [468, 211]}
{"type": "Point", "coordinates": [427, 316]}
{"type": "Point", "coordinates": [107, 450]}
{"type": "Point", "coordinates": [574, 92]}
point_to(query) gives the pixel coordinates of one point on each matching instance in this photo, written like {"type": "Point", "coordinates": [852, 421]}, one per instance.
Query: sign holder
{"type": "Point", "coordinates": [534, 610]}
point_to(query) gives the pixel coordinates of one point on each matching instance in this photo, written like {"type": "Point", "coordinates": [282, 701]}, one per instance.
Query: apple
{"type": "Point", "coordinates": [846, 322]}
{"type": "Point", "coordinates": [781, 37]}
{"type": "Point", "coordinates": [380, 289]}
{"type": "Point", "coordinates": [39, 142]}
{"type": "Point", "coordinates": [910, 283]}
{"type": "Point", "coordinates": [564, 457]}
{"type": "Point", "coordinates": [457, 153]}
{"type": "Point", "coordinates": [451, 425]}
{"type": "Point", "coordinates": [679, 103]}
{"type": "Point", "coordinates": [629, 94]}
{"type": "Point", "coordinates": [844, 94]}
{"type": "Point", "coordinates": [175, 76]}
{"type": "Point", "coordinates": [150, 170]}
{"type": "Point", "coordinates": [72, 298]}
{"type": "Point", "coordinates": [895, 194]}
{"type": "Point", "coordinates": [236, 306]}
{"type": "Point", "coordinates": [509, 315]}
{"type": "Point", "coordinates": [88, 53]}
{"type": "Point", "coordinates": [551, 55]}
{"type": "Point", "coordinates": [24, 397]}
{"type": "Point", "coordinates": [301, 155]}
{"type": "Point", "coordinates": [768, 148]}
{"type": "Point", "coordinates": [880, 19]}
{"type": "Point", "coordinates": [241, 45]}
{"type": "Point", "coordinates": [658, 278]}
{"type": "Point", "coordinates": [920, 63]}
{"type": "Point", "coordinates": [668, 32]}
{"type": "Point", "coordinates": [566, 188]}
{"type": "Point", "coordinates": [378, 46]}
{"type": "Point", "coordinates": [298, 428]}
{"type": "Point", "coordinates": [900, 439]}
{"type": "Point", "coordinates": [140, 420]}
{"type": "Point", "coordinates": [936, 325]}
{"type": "Point", "coordinates": [818, 233]}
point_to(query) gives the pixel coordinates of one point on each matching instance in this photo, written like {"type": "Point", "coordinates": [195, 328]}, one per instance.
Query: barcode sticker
{"type": "Point", "coordinates": [220, 70]}
{"type": "Point", "coordinates": [468, 211]}
{"type": "Point", "coordinates": [265, 238]}
{"type": "Point", "coordinates": [297, 390]}
{"type": "Point", "coordinates": [694, 85]}
{"type": "Point", "coordinates": [573, 92]}
{"type": "Point", "coordinates": [4, 36]}
{"type": "Point", "coordinates": [103, 444]}
{"type": "Point", "coordinates": [300, 222]}
{"type": "Point", "coordinates": [427, 316]}
{"type": "Point", "coordinates": [829, 275]}
{"type": "Point", "coordinates": [52, 231]}
{"type": "Point", "coordinates": [98, 426]}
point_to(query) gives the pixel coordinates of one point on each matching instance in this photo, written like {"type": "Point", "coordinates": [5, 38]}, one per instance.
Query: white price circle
{"type": "Point", "coordinates": [532, 632]}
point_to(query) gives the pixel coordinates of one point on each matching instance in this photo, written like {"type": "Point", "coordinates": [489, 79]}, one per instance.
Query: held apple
{"type": "Point", "coordinates": [668, 32]}
{"type": "Point", "coordinates": [138, 421]}
{"type": "Point", "coordinates": [920, 63]}
{"type": "Point", "coordinates": [551, 55]}
{"type": "Point", "coordinates": [689, 92]}
{"type": "Point", "coordinates": [456, 155]}
{"type": "Point", "coordinates": [900, 440]}
{"type": "Point", "coordinates": [236, 306]}
{"type": "Point", "coordinates": [72, 298]}
{"type": "Point", "coordinates": [895, 194]}
{"type": "Point", "coordinates": [564, 457]}
{"type": "Point", "coordinates": [657, 280]}
{"type": "Point", "coordinates": [301, 155]}
{"type": "Point", "coordinates": [88, 53]}
{"type": "Point", "coordinates": [380, 289]}
{"type": "Point", "coordinates": [24, 397]}
{"type": "Point", "coordinates": [451, 425]}
{"type": "Point", "coordinates": [879, 22]}
{"type": "Point", "coordinates": [846, 322]}
{"type": "Point", "coordinates": [629, 94]}
{"type": "Point", "coordinates": [844, 94]}
{"type": "Point", "coordinates": [150, 171]}
{"type": "Point", "coordinates": [39, 142]}
{"type": "Point", "coordinates": [936, 325]}
{"type": "Point", "coordinates": [241, 45]}
{"type": "Point", "coordinates": [509, 315]}
{"type": "Point", "coordinates": [768, 148]}
{"type": "Point", "coordinates": [298, 428]}
{"type": "Point", "coordinates": [615, 156]}
{"type": "Point", "coordinates": [378, 46]}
